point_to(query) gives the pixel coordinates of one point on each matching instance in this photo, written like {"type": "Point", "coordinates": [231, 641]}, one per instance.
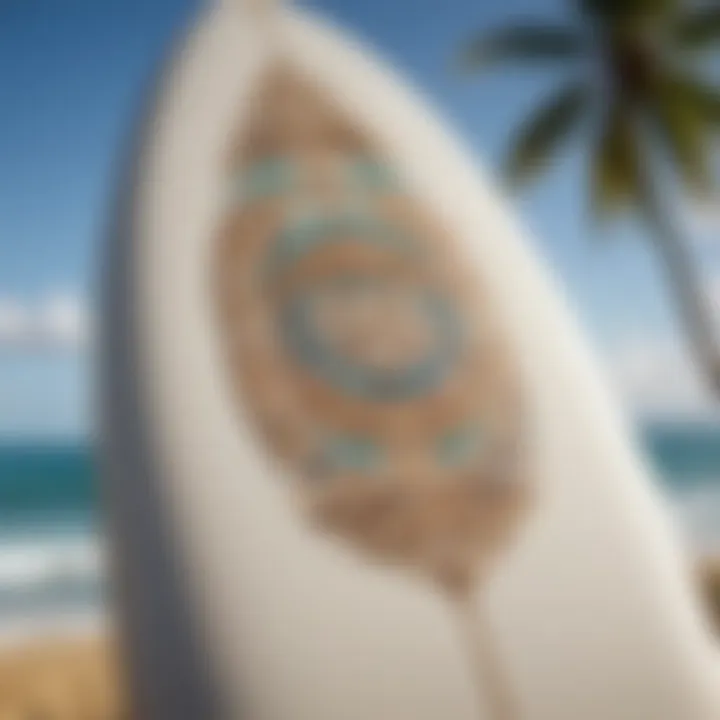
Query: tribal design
{"type": "Point", "coordinates": [362, 347]}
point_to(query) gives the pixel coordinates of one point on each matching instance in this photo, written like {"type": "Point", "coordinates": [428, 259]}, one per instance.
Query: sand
{"type": "Point", "coordinates": [68, 679]}
{"type": "Point", "coordinates": [79, 679]}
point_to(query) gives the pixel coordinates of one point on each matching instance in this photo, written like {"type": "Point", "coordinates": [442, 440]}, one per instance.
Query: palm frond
{"type": "Point", "coordinates": [616, 172]}
{"type": "Point", "coordinates": [683, 132]}
{"type": "Point", "coordinates": [698, 29]}
{"type": "Point", "coordinates": [701, 99]}
{"type": "Point", "coordinates": [627, 11]}
{"type": "Point", "coordinates": [541, 135]}
{"type": "Point", "coordinates": [522, 43]}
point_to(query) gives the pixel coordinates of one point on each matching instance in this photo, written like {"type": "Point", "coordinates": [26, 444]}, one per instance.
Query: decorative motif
{"type": "Point", "coordinates": [363, 347]}
{"type": "Point", "coordinates": [364, 350]}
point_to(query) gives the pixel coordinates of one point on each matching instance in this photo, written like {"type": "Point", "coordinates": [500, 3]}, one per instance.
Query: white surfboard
{"type": "Point", "coordinates": [360, 463]}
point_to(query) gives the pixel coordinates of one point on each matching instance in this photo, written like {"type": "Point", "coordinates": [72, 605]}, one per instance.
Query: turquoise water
{"type": "Point", "coordinates": [50, 563]}
{"type": "Point", "coordinates": [49, 556]}
{"type": "Point", "coordinates": [48, 482]}
{"type": "Point", "coordinates": [685, 455]}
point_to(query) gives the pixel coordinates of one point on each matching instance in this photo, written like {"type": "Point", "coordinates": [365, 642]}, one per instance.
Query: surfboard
{"type": "Point", "coordinates": [359, 459]}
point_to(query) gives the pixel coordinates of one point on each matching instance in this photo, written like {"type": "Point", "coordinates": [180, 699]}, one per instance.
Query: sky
{"type": "Point", "coordinates": [73, 74]}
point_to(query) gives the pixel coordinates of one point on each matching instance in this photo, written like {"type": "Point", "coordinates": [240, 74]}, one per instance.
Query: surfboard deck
{"type": "Point", "coordinates": [347, 405]}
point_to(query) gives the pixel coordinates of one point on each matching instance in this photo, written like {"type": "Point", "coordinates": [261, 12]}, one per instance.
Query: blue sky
{"type": "Point", "coordinates": [72, 75]}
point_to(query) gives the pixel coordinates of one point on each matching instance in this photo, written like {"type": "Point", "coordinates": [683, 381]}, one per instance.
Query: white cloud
{"type": "Point", "coordinates": [701, 216]}
{"type": "Point", "coordinates": [58, 323]}
{"type": "Point", "coordinates": [63, 320]}
{"type": "Point", "coordinates": [714, 294]}
{"type": "Point", "coordinates": [656, 377]}
{"type": "Point", "coordinates": [13, 320]}
{"type": "Point", "coordinates": [701, 219]}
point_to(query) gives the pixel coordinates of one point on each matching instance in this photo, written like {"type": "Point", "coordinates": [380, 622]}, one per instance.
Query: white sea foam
{"type": "Point", "coordinates": [51, 584]}
{"type": "Point", "coordinates": [27, 563]}
{"type": "Point", "coordinates": [87, 622]}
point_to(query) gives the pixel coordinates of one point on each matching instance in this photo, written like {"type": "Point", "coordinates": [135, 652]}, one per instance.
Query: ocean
{"type": "Point", "coordinates": [51, 569]}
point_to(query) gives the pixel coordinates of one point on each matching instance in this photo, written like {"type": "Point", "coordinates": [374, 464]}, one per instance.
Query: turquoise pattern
{"type": "Point", "coordinates": [460, 446]}
{"type": "Point", "coordinates": [368, 174]}
{"type": "Point", "coordinates": [266, 179]}
{"type": "Point", "coordinates": [352, 453]}
{"type": "Point", "coordinates": [356, 379]}
{"type": "Point", "coordinates": [321, 228]}
{"type": "Point", "coordinates": [316, 228]}
{"type": "Point", "coordinates": [278, 176]}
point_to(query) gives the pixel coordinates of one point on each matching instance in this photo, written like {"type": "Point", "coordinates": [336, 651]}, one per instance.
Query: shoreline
{"type": "Point", "coordinates": [83, 625]}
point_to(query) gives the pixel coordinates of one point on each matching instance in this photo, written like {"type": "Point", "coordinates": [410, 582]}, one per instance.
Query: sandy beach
{"type": "Point", "coordinates": [79, 678]}
{"type": "Point", "coordinates": [62, 679]}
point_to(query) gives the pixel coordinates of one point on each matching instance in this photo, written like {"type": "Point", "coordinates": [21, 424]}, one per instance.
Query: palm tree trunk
{"type": "Point", "coordinates": [686, 283]}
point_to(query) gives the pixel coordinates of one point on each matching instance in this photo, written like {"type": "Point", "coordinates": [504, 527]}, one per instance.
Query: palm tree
{"type": "Point", "coordinates": [638, 92]}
